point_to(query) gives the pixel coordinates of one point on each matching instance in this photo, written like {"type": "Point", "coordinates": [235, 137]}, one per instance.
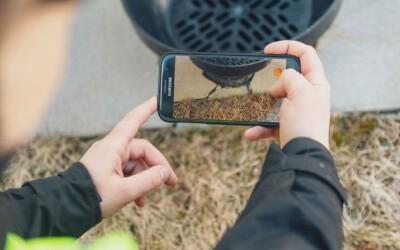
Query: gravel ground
{"type": "Point", "coordinates": [218, 170]}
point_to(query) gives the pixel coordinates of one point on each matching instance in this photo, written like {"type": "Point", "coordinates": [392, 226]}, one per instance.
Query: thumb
{"type": "Point", "coordinates": [140, 184]}
{"type": "Point", "coordinates": [289, 84]}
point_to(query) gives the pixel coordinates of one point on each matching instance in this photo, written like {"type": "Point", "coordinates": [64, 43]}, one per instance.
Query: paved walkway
{"type": "Point", "coordinates": [111, 70]}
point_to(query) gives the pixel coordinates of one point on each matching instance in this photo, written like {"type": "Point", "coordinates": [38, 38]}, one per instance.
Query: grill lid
{"type": "Point", "coordinates": [230, 71]}
{"type": "Point", "coordinates": [229, 66]}
{"type": "Point", "coordinates": [236, 25]}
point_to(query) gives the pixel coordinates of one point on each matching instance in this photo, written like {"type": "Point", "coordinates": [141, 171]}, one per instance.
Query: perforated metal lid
{"type": "Point", "coordinates": [229, 66]}
{"type": "Point", "coordinates": [236, 25]}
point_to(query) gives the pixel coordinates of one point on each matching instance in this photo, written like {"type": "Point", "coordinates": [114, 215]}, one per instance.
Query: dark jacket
{"type": "Point", "coordinates": [297, 204]}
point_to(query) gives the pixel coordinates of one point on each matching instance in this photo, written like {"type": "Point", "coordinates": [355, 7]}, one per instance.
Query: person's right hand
{"type": "Point", "coordinates": [125, 168]}
{"type": "Point", "coordinates": [305, 110]}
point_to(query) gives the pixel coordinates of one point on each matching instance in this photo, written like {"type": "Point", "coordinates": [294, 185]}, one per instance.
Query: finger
{"type": "Point", "coordinates": [257, 133]}
{"type": "Point", "coordinates": [127, 128]}
{"type": "Point", "coordinates": [141, 201]}
{"type": "Point", "coordinates": [139, 168]}
{"type": "Point", "coordinates": [144, 150]}
{"type": "Point", "coordinates": [311, 65]}
{"type": "Point", "coordinates": [140, 184]}
{"type": "Point", "coordinates": [132, 168]}
{"type": "Point", "coordinates": [289, 84]}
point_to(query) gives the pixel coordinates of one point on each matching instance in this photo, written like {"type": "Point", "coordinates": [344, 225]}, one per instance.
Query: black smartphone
{"type": "Point", "coordinates": [229, 89]}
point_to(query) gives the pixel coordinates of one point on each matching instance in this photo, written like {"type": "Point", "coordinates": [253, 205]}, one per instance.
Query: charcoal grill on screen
{"type": "Point", "coordinates": [226, 88]}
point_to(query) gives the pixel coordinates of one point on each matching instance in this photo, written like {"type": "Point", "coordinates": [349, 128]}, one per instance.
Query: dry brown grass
{"type": "Point", "coordinates": [218, 170]}
{"type": "Point", "coordinates": [239, 108]}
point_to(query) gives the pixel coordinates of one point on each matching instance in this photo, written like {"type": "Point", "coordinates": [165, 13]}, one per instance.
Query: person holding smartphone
{"type": "Point", "coordinates": [296, 204]}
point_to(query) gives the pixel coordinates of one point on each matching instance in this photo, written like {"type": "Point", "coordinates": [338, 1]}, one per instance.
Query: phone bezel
{"type": "Point", "coordinates": [165, 72]}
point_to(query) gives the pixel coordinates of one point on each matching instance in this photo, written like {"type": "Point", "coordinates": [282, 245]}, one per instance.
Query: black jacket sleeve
{"type": "Point", "coordinates": [297, 203]}
{"type": "Point", "coordinates": [66, 204]}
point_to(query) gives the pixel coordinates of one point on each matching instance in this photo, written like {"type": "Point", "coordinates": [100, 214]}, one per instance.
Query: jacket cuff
{"type": "Point", "coordinates": [304, 155]}
{"type": "Point", "coordinates": [301, 145]}
{"type": "Point", "coordinates": [73, 194]}
{"type": "Point", "coordinates": [78, 172]}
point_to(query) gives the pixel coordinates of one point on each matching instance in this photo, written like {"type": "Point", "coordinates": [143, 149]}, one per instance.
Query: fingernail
{"type": "Point", "coordinates": [164, 173]}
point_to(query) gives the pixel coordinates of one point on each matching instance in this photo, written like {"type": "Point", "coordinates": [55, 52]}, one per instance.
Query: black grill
{"type": "Point", "coordinates": [230, 72]}
{"type": "Point", "coordinates": [230, 66]}
{"type": "Point", "coordinates": [228, 25]}
{"type": "Point", "coordinates": [236, 25]}
{"type": "Point", "coordinates": [229, 60]}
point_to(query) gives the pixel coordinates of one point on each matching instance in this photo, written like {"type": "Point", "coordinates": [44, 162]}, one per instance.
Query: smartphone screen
{"type": "Point", "coordinates": [225, 89]}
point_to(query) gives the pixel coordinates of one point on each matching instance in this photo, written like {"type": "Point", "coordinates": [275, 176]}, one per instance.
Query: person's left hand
{"type": "Point", "coordinates": [123, 168]}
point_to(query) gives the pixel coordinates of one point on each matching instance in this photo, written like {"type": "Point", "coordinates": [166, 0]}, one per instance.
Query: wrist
{"type": "Point", "coordinates": [323, 140]}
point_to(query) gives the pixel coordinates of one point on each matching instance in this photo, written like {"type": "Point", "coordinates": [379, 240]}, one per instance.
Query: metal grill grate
{"type": "Point", "coordinates": [228, 66]}
{"type": "Point", "coordinates": [236, 25]}
{"type": "Point", "coordinates": [229, 61]}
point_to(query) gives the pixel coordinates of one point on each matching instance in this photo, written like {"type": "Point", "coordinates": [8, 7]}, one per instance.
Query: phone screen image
{"type": "Point", "coordinates": [226, 88]}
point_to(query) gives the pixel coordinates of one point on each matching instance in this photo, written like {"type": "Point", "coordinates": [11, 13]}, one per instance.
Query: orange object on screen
{"type": "Point", "coordinates": [278, 72]}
